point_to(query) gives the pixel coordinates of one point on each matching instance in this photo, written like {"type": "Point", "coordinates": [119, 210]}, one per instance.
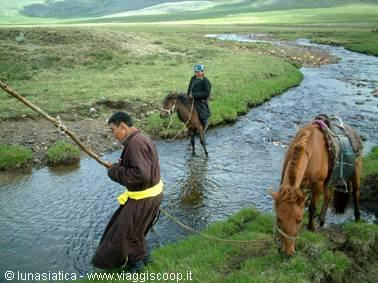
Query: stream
{"type": "Point", "coordinates": [52, 219]}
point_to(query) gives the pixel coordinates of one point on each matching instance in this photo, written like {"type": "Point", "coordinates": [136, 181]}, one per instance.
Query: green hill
{"type": "Point", "coordinates": [174, 9]}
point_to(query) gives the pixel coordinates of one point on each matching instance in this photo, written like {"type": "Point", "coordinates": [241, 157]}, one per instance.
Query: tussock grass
{"type": "Point", "coordinates": [63, 153]}
{"type": "Point", "coordinates": [14, 157]}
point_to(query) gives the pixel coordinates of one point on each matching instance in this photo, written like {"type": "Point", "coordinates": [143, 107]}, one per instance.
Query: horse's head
{"type": "Point", "coordinates": [169, 105]}
{"type": "Point", "coordinates": [289, 205]}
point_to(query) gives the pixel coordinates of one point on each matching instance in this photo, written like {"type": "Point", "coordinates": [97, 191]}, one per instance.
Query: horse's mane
{"type": "Point", "coordinates": [182, 97]}
{"type": "Point", "coordinates": [287, 194]}
{"type": "Point", "coordinates": [296, 150]}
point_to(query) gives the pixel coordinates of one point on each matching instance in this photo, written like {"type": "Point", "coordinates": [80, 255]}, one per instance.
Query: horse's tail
{"type": "Point", "coordinates": [340, 201]}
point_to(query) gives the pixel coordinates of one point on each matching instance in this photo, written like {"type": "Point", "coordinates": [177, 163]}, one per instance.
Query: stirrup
{"type": "Point", "coordinates": [341, 187]}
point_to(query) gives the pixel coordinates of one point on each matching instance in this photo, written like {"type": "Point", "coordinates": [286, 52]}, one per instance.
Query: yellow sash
{"type": "Point", "coordinates": [150, 192]}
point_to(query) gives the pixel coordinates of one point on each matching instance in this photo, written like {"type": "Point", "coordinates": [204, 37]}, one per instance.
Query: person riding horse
{"type": "Point", "coordinates": [199, 89]}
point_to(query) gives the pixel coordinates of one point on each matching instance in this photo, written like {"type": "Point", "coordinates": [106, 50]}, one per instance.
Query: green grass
{"type": "Point", "coordinates": [316, 259]}
{"type": "Point", "coordinates": [167, 11]}
{"type": "Point", "coordinates": [65, 69]}
{"type": "Point", "coordinates": [370, 163]}
{"type": "Point", "coordinates": [63, 153]}
{"type": "Point", "coordinates": [346, 14]}
{"type": "Point", "coordinates": [14, 156]}
{"type": "Point", "coordinates": [361, 237]}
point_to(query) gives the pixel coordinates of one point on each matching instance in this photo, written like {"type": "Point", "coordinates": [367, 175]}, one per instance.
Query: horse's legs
{"type": "Point", "coordinates": [203, 142]}
{"type": "Point", "coordinates": [192, 136]}
{"type": "Point", "coordinates": [356, 189]}
{"type": "Point", "coordinates": [323, 212]}
{"type": "Point", "coordinates": [316, 189]}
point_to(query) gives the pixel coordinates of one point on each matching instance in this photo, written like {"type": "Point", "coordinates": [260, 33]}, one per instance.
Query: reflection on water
{"type": "Point", "coordinates": [53, 218]}
{"type": "Point", "coordinates": [193, 186]}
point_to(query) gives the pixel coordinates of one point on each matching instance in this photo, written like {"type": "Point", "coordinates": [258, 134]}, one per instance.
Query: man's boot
{"type": "Point", "coordinates": [205, 128]}
{"type": "Point", "coordinates": [148, 257]}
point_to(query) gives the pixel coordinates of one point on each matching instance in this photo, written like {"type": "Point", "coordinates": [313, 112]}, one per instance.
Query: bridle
{"type": "Point", "coordinates": [171, 110]}
{"type": "Point", "coordinates": [291, 238]}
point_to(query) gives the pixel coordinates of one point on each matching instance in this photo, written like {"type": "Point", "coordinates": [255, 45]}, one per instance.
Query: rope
{"type": "Point", "coordinates": [190, 116]}
{"type": "Point", "coordinates": [169, 125]}
{"type": "Point", "coordinates": [291, 238]}
{"type": "Point", "coordinates": [186, 227]}
{"type": "Point", "coordinates": [61, 127]}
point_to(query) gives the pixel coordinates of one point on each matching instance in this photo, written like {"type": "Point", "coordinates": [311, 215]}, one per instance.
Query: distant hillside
{"type": "Point", "coordinates": [70, 9]}
{"type": "Point", "coordinates": [87, 8]}
{"type": "Point", "coordinates": [247, 9]}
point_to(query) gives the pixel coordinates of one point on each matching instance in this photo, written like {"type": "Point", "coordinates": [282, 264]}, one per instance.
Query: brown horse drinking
{"type": "Point", "coordinates": [307, 164]}
{"type": "Point", "coordinates": [187, 113]}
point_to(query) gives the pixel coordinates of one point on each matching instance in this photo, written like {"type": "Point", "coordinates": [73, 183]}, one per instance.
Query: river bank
{"type": "Point", "coordinates": [343, 253]}
{"type": "Point", "coordinates": [232, 95]}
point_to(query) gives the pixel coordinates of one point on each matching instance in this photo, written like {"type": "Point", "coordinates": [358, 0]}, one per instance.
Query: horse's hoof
{"type": "Point", "coordinates": [357, 216]}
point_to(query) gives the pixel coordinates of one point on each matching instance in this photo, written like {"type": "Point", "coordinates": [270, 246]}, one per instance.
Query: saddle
{"type": "Point", "coordinates": [344, 147]}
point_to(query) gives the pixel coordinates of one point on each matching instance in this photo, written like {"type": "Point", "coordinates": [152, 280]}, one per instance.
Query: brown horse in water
{"type": "Point", "coordinates": [187, 113]}
{"type": "Point", "coordinates": [307, 164]}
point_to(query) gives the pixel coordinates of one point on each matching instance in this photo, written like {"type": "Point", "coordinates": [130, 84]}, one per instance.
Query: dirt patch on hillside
{"type": "Point", "coordinates": [39, 134]}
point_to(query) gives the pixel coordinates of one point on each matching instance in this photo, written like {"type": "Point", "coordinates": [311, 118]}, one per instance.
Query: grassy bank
{"type": "Point", "coordinates": [370, 163]}
{"type": "Point", "coordinates": [354, 38]}
{"type": "Point", "coordinates": [321, 256]}
{"type": "Point", "coordinates": [73, 69]}
{"type": "Point", "coordinates": [14, 157]}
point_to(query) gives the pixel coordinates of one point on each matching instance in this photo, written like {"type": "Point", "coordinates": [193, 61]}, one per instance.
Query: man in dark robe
{"type": "Point", "coordinates": [199, 89]}
{"type": "Point", "coordinates": [123, 243]}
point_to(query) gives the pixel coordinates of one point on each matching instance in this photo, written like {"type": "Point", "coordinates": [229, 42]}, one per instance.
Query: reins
{"type": "Point", "coordinates": [170, 111]}
{"type": "Point", "coordinates": [186, 123]}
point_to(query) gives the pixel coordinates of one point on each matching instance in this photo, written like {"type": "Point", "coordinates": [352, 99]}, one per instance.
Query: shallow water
{"type": "Point", "coordinates": [52, 219]}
